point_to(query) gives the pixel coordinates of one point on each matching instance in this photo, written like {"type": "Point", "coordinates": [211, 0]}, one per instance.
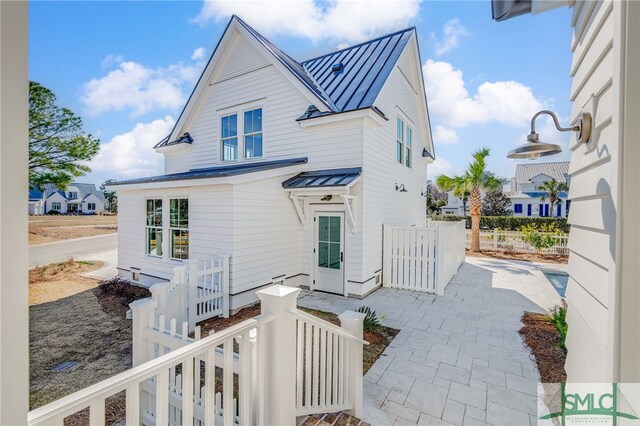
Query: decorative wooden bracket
{"type": "Point", "coordinates": [347, 199]}
{"type": "Point", "coordinates": [297, 201]}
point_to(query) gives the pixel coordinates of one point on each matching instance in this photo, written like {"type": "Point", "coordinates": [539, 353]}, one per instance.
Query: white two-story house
{"type": "Point", "coordinates": [527, 198]}
{"type": "Point", "coordinates": [289, 167]}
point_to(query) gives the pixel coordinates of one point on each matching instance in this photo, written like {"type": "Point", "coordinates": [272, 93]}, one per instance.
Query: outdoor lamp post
{"type": "Point", "coordinates": [534, 148]}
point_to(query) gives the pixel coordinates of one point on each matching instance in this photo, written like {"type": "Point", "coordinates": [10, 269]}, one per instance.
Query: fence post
{"type": "Point", "coordinates": [353, 322]}
{"type": "Point", "coordinates": [141, 310]}
{"type": "Point", "coordinates": [224, 259]}
{"type": "Point", "coordinates": [440, 254]}
{"type": "Point", "coordinates": [192, 293]}
{"type": "Point", "coordinates": [495, 239]}
{"type": "Point", "coordinates": [159, 295]}
{"type": "Point", "coordinates": [278, 344]}
{"type": "Point", "coordinates": [179, 280]}
{"type": "Point", "coordinates": [386, 255]}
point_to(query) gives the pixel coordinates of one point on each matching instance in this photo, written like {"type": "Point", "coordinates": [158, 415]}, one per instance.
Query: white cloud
{"type": "Point", "coordinates": [342, 46]}
{"type": "Point", "coordinates": [347, 20]}
{"type": "Point", "coordinates": [505, 102]}
{"type": "Point", "coordinates": [110, 60]}
{"type": "Point", "coordinates": [198, 54]}
{"type": "Point", "coordinates": [452, 31]}
{"type": "Point", "coordinates": [131, 154]}
{"type": "Point", "coordinates": [444, 136]}
{"type": "Point", "coordinates": [439, 167]}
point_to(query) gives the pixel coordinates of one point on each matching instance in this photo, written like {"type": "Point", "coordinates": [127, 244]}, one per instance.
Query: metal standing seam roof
{"type": "Point", "coordinates": [323, 178]}
{"type": "Point", "coordinates": [557, 170]}
{"type": "Point", "coordinates": [363, 70]}
{"type": "Point", "coordinates": [220, 171]}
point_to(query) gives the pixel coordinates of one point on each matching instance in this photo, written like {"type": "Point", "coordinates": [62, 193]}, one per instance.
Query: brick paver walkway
{"type": "Point", "coordinates": [458, 358]}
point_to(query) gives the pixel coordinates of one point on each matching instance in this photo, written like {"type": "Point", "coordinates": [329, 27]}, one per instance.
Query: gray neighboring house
{"type": "Point", "coordinates": [525, 195]}
{"type": "Point", "coordinates": [81, 198]}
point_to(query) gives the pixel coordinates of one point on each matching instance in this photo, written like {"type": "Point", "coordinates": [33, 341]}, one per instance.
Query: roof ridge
{"type": "Point", "coordinates": [412, 28]}
{"type": "Point", "coordinates": [540, 164]}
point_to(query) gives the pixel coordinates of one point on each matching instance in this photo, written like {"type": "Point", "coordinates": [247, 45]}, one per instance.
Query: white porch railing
{"type": "Point", "coordinates": [513, 241]}
{"type": "Point", "coordinates": [196, 292]}
{"type": "Point", "coordinates": [422, 259]}
{"type": "Point", "coordinates": [241, 375]}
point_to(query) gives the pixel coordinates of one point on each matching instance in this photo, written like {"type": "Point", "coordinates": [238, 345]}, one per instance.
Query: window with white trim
{"type": "Point", "coordinates": [179, 227]}
{"type": "Point", "coordinates": [253, 133]}
{"type": "Point", "coordinates": [91, 206]}
{"type": "Point", "coordinates": [229, 137]}
{"type": "Point", "coordinates": [399, 140]}
{"type": "Point", "coordinates": [154, 227]}
{"type": "Point", "coordinates": [56, 206]}
{"type": "Point", "coordinates": [408, 144]}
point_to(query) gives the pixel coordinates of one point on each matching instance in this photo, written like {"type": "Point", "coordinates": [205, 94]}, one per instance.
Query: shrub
{"type": "Point", "coordinates": [53, 212]}
{"type": "Point", "coordinates": [558, 317]}
{"type": "Point", "coordinates": [540, 236]}
{"type": "Point", "coordinates": [123, 290]}
{"type": "Point", "coordinates": [371, 322]}
{"type": "Point", "coordinates": [508, 223]}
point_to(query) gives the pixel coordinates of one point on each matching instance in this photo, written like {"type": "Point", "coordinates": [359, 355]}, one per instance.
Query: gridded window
{"type": "Point", "coordinates": [517, 208]}
{"type": "Point", "coordinates": [329, 242]}
{"type": "Point", "coordinates": [229, 137]}
{"type": "Point", "coordinates": [408, 145]}
{"type": "Point", "coordinates": [253, 133]}
{"type": "Point", "coordinates": [179, 228]}
{"type": "Point", "coordinates": [91, 206]}
{"type": "Point", "coordinates": [56, 206]}
{"type": "Point", "coordinates": [154, 227]}
{"type": "Point", "coordinates": [399, 140]}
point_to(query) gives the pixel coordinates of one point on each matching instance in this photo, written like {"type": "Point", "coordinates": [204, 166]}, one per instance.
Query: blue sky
{"type": "Point", "coordinates": [128, 67]}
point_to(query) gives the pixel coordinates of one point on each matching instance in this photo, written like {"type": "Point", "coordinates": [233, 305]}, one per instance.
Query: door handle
{"type": "Point", "coordinates": [341, 256]}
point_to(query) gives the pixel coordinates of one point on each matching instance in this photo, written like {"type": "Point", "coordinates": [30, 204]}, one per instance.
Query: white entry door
{"type": "Point", "coordinates": [329, 252]}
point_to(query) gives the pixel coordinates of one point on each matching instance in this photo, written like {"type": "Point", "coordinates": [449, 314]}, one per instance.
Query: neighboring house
{"type": "Point", "coordinates": [455, 205]}
{"type": "Point", "coordinates": [525, 195]}
{"type": "Point", "coordinates": [603, 344]}
{"type": "Point", "coordinates": [78, 198]}
{"type": "Point", "coordinates": [289, 167]}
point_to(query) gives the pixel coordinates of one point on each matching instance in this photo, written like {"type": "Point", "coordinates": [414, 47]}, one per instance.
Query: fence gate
{"type": "Point", "coordinates": [208, 284]}
{"type": "Point", "coordinates": [422, 259]}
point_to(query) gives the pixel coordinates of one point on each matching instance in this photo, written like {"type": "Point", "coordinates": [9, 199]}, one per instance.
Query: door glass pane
{"type": "Point", "coordinates": [323, 228]}
{"type": "Point", "coordinates": [323, 255]}
{"type": "Point", "coordinates": [334, 231]}
{"type": "Point", "coordinates": [334, 255]}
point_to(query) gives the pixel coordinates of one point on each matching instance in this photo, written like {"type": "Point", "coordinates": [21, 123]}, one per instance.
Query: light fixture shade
{"type": "Point", "coordinates": [534, 150]}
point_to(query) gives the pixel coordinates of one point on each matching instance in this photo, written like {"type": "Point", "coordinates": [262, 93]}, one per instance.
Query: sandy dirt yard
{"type": "Point", "coordinates": [47, 229]}
{"type": "Point", "coordinates": [78, 333]}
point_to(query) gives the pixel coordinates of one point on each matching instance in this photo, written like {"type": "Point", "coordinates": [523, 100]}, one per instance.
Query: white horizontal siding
{"type": "Point", "coordinates": [382, 203]}
{"type": "Point", "coordinates": [592, 216]}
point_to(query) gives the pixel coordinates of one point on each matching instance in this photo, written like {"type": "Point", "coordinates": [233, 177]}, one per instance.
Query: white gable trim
{"type": "Point", "coordinates": [233, 30]}
{"type": "Point", "coordinates": [540, 174]}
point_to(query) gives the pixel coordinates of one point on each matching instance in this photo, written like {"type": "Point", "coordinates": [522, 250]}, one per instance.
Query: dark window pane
{"type": "Point", "coordinates": [399, 129]}
{"type": "Point", "coordinates": [230, 149]}
{"type": "Point", "coordinates": [409, 140]}
{"type": "Point", "coordinates": [323, 255]}
{"type": "Point", "coordinates": [323, 228]}
{"type": "Point", "coordinates": [334, 231]}
{"type": "Point", "coordinates": [399, 152]}
{"type": "Point", "coordinates": [408, 157]}
{"type": "Point", "coordinates": [253, 146]}
{"type": "Point", "coordinates": [334, 255]}
{"type": "Point", "coordinates": [179, 244]}
{"type": "Point", "coordinates": [229, 126]}
{"type": "Point", "coordinates": [154, 241]}
{"type": "Point", "coordinates": [179, 213]}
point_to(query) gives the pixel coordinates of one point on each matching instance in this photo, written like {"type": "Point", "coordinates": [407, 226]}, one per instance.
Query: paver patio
{"type": "Point", "coordinates": [458, 358]}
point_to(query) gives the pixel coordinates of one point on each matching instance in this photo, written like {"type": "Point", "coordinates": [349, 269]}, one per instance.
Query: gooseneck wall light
{"type": "Point", "coordinates": [535, 148]}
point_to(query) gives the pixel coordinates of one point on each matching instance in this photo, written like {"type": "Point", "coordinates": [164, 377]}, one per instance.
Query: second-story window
{"type": "Point", "coordinates": [399, 140]}
{"type": "Point", "coordinates": [229, 137]}
{"type": "Point", "coordinates": [253, 133]}
{"type": "Point", "coordinates": [408, 143]}
{"type": "Point", "coordinates": [154, 227]}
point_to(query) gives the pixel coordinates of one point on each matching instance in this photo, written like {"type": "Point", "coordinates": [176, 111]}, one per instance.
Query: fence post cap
{"type": "Point", "coordinates": [225, 256]}
{"type": "Point", "coordinates": [143, 304]}
{"type": "Point", "coordinates": [352, 316]}
{"type": "Point", "coordinates": [277, 291]}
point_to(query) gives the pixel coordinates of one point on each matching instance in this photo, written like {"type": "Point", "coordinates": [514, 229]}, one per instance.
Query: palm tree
{"type": "Point", "coordinates": [475, 178]}
{"type": "Point", "coordinates": [552, 187]}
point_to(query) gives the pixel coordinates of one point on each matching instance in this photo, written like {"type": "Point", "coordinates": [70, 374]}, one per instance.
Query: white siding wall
{"type": "Point", "coordinates": [92, 199]}
{"type": "Point", "coordinates": [382, 203]}
{"type": "Point", "coordinates": [593, 203]}
{"type": "Point", "coordinates": [56, 198]}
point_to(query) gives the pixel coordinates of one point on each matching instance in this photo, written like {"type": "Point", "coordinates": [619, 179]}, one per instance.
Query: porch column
{"type": "Point", "coordinates": [278, 354]}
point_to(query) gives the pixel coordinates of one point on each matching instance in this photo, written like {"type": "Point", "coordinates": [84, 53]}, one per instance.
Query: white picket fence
{"type": "Point", "coordinates": [513, 241]}
{"type": "Point", "coordinates": [242, 375]}
{"type": "Point", "coordinates": [196, 292]}
{"type": "Point", "coordinates": [422, 259]}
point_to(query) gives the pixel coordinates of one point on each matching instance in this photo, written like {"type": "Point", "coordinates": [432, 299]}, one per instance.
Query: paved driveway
{"type": "Point", "coordinates": [458, 358]}
{"type": "Point", "coordinates": [43, 254]}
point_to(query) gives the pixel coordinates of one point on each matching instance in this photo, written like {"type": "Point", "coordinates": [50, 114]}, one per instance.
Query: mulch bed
{"type": "Point", "coordinates": [378, 341]}
{"type": "Point", "coordinates": [542, 338]}
{"type": "Point", "coordinates": [525, 257]}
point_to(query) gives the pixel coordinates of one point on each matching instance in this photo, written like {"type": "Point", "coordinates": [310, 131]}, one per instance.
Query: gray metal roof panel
{"type": "Point", "coordinates": [323, 178]}
{"type": "Point", "coordinates": [366, 67]}
{"type": "Point", "coordinates": [220, 171]}
{"type": "Point", "coordinates": [556, 170]}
